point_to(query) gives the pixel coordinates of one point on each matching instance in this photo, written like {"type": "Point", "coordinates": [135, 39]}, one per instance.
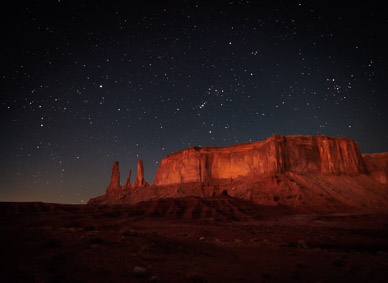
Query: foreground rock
{"type": "Point", "coordinates": [318, 172]}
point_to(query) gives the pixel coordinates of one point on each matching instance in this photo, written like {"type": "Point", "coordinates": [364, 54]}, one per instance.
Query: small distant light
{"type": "Point", "coordinates": [100, 86]}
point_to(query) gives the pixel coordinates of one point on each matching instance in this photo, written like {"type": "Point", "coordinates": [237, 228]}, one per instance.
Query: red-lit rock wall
{"type": "Point", "coordinates": [377, 165]}
{"type": "Point", "coordinates": [140, 182]}
{"type": "Point", "coordinates": [299, 154]}
{"type": "Point", "coordinates": [114, 179]}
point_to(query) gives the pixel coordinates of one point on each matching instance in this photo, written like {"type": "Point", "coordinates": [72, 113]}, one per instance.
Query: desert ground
{"type": "Point", "coordinates": [218, 239]}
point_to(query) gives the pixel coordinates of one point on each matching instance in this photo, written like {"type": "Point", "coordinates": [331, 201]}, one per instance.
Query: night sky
{"type": "Point", "coordinates": [84, 84]}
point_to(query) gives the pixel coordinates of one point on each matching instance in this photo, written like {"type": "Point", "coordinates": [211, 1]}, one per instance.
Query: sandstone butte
{"type": "Point", "coordinates": [315, 172]}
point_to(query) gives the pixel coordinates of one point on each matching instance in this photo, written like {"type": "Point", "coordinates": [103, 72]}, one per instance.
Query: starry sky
{"type": "Point", "coordinates": [84, 84]}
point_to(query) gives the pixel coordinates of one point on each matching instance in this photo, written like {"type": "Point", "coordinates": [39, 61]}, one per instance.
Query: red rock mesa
{"type": "Point", "coordinates": [299, 171]}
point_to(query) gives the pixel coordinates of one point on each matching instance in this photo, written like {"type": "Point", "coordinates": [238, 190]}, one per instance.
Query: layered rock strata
{"type": "Point", "coordinates": [278, 154]}
{"type": "Point", "coordinates": [298, 171]}
{"type": "Point", "coordinates": [377, 165]}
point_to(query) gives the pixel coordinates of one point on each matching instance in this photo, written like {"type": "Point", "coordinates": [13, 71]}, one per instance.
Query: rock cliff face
{"type": "Point", "coordinates": [114, 185]}
{"type": "Point", "coordinates": [377, 165]}
{"type": "Point", "coordinates": [315, 172]}
{"type": "Point", "coordinates": [128, 182]}
{"type": "Point", "coordinates": [140, 182]}
{"type": "Point", "coordinates": [278, 154]}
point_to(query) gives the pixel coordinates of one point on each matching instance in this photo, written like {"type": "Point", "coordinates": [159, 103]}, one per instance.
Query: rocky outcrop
{"type": "Point", "coordinates": [140, 182]}
{"type": "Point", "coordinates": [377, 165]}
{"type": "Point", "coordinates": [128, 182]}
{"type": "Point", "coordinates": [314, 172]}
{"type": "Point", "coordinates": [278, 154]}
{"type": "Point", "coordinates": [114, 185]}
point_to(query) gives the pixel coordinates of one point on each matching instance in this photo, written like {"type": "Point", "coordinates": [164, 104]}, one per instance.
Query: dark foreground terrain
{"type": "Point", "coordinates": [220, 239]}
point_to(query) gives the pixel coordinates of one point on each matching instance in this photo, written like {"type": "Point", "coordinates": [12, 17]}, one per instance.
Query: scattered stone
{"type": "Point", "coordinates": [96, 240]}
{"type": "Point", "coordinates": [296, 275]}
{"type": "Point", "coordinates": [302, 245]}
{"type": "Point", "coordinates": [290, 254]}
{"type": "Point", "coordinates": [201, 239]}
{"type": "Point", "coordinates": [151, 253]}
{"type": "Point", "coordinates": [338, 263]}
{"type": "Point", "coordinates": [128, 232]}
{"type": "Point", "coordinates": [51, 244]}
{"type": "Point", "coordinates": [300, 265]}
{"type": "Point", "coordinates": [265, 242]}
{"type": "Point", "coordinates": [266, 275]}
{"type": "Point", "coordinates": [139, 271]}
{"type": "Point", "coordinates": [195, 277]}
{"type": "Point", "coordinates": [154, 279]}
{"type": "Point", "coordinates": [90, 228]}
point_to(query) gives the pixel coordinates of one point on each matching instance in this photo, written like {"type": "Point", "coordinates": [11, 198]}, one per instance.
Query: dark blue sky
{"type": "Point", "coordinates": [84, 84]}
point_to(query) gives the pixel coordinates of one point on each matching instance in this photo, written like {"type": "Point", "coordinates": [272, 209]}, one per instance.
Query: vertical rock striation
{"type": "Point", "coordinates": [318, 172]}
{"type": "Point", "coordinates": [114, 186]}
{"type": "Point", "coordinates": [377, 165]}
{"type": "Point", "coordinates": [278, 154]}
{"type": "Point", "coordinates": [114, 179]}
{"type": "Point", "coordinates": [128, 182]}
{"type": "Point", "coordinates": [140, 182]}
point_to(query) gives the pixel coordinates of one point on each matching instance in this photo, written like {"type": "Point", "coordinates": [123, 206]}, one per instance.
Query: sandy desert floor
{"type": "Point", "coordinates": [190, 240]}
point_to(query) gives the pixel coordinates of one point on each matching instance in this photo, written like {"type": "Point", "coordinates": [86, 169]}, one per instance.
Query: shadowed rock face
{"type": "Point", "coordinates": [128, 182]}
{"type": "Point", "coordinates": [278, 154]}
{"type": "Point", "coordinates": [314, 172]}
{"type": "Point", "coordinates": [377, 165]}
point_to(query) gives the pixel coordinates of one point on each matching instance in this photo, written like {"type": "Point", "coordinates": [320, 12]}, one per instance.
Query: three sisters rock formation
{"type": "Point", "coordinates": [317, 172]}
